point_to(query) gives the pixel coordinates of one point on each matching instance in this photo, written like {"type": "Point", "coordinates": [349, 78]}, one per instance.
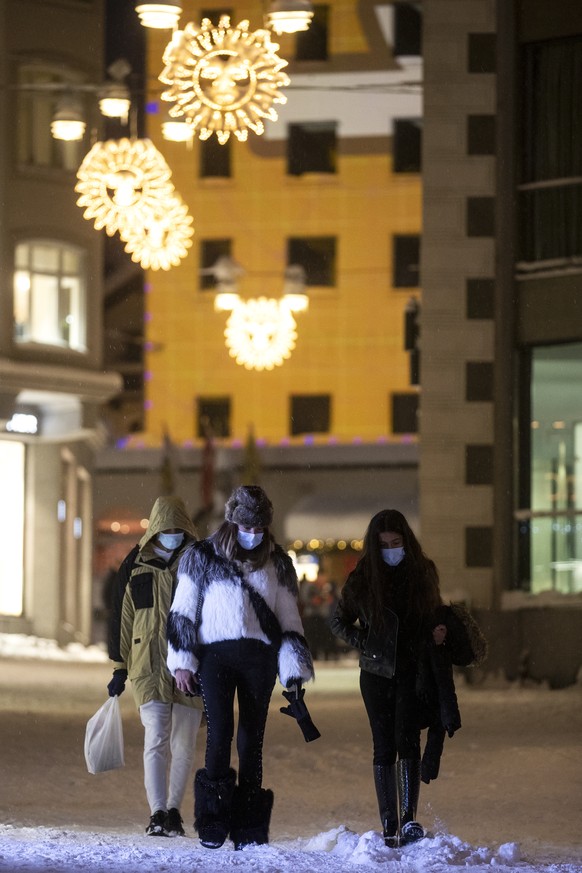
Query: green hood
{"type": "Point", "coordinates": [167, 512]}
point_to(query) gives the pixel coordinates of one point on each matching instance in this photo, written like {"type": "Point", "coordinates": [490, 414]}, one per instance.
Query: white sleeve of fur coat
{"type": "Point", "coordinates": [181, 632]}
{"type": "Point", "coordinates": [295, 660]}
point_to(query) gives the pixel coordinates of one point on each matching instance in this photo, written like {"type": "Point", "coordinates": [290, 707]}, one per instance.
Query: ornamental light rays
{"type": "Point", "coordinates": [163, 241]}
{"type": "Point", "coordinates": [122, 182]}
{"type": "Point", "coordinates": [223, 79]}
{"type": "Point", "coordinates": [125, 187]}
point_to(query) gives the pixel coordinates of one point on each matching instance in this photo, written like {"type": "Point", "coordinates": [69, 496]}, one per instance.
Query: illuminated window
{"type": "Point", "coordinates": [49, 294]}
{"type": "Point", "coordinates": [35, 146]}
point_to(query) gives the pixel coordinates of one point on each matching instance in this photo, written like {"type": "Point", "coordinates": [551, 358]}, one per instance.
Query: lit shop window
{"type": "Point", "coordinates": [49, 294]}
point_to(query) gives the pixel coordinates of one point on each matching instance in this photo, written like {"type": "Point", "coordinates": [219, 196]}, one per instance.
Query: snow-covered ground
{"type": "Point", "coordinates": [508, 797]}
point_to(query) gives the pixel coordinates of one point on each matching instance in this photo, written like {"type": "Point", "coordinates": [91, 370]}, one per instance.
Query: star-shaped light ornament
{"type": "Point", "coordinates": [123, 183]}
{"type": "Point", "coordinates": [163, 240]}
{"type": "Point", "coordinates": [223, 79]}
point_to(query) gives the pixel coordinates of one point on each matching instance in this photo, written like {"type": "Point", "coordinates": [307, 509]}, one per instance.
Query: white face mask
{"type": "Point", "coordinates": [170, 541]}
{"type": "Point", "coordinates": [249, 540]}
{"type": "Point", "coordinates": [393, 557]}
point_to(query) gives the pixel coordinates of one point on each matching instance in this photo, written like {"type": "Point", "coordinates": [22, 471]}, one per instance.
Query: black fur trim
{"type": "Point", "coordinates": [301, 650]}
{"type": "Point", "coordinates": [182, 634]}
{"type": "Point", "coordinates": [286, 575]}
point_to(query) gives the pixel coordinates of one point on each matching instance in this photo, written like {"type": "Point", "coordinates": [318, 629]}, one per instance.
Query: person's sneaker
{"type": "Point", "coordinates": [174, 823]}
{"type": "Point", "coordinates": [158, 825]}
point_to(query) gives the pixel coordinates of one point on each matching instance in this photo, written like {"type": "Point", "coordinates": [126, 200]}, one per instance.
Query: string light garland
{"type": "Point", "coordinates": [224, 79]}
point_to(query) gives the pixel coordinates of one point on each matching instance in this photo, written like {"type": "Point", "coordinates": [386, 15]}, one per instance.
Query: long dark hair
{"type": "Point", "coordinates": [422, 573]}
{"type": "Point", "coordinates": [227, 543]}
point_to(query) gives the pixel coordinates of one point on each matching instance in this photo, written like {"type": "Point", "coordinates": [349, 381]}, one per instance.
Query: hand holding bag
{"type": "Point", "coordinates": [104, 738]}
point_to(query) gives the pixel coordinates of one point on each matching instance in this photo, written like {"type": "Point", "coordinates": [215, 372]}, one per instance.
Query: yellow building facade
{"type": "Point", "coordinates": [350, 341]}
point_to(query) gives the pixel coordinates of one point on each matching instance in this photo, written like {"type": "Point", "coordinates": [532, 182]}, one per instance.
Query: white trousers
{"type": "Point", "coordinates": [170, 737]}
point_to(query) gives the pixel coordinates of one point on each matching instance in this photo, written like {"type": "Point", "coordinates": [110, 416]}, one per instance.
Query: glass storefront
{"type": "Point", "coordinates": [555, 517]}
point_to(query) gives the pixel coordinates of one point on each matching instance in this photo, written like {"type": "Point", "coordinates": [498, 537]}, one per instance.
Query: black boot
{"type": "Point", "coordinates": [408, 771]}
{"type": "Point", "coordinates": [385, 783]}
{"type": "Point", "coordinates": [212, 808]}
{"type": "Point", "coordinates": [251, 816]}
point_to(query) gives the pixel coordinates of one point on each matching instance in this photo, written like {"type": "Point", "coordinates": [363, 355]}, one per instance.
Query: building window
{"type": "Point", "coordinates": [215, 159]}
{"type": "Point", "coordinates": [478, 547]}
{"type": "Point", "coordinates": [49, 294]}
{"type": "Point", "coordinates": [407, 145]}
{"type": "Point", "coordinates": [35, 146]}
{"type": "Point", "coordinates": [312, 148]}
{"type": "Point", "coordinates": [214, 14]}
{"type": "Point", "coordinates": [480, 298]}
{"type": "Point", "coordinates": [551, 151]}
{"type": "Point", "coordinates": [481, 53]}
{"type": "Point", "coordinates": [405, 412]}
{"type": "Point", "coordinates": [312, 44]}
{"type": "Point", "coordinates": [480, 216]}
{"type": "Point", "coordinates": [210, 251]}
{"type": "Point", "coordinates": [479, 381]}
{"type": "Point", "coordinates": [406, 261]}
{"type": "Point", "coordinates": [407, 29]}
{"type": "Point", "coordinates": [481, 134]}
{"type": "Point", "coordinates": [310, 413]}
{"type": "Point", "coordinates": [213, 416]}
{"type": "Point", "coordinates": [317, 256]}
{"type": "Point", "coordinates": [479, 465]}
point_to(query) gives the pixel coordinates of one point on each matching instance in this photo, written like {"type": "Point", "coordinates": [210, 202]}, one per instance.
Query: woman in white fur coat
{"type": "Point", "coordinates": [234, 623]}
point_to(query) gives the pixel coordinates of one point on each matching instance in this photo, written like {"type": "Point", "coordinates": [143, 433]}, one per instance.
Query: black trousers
{"type": "Point", "coordinates": [249, 669]}
{"type": "Point", "coordinates": [393, 714]}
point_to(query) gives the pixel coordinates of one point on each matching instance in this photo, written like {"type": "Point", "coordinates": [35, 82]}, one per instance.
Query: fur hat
{"type": "Point", "coordinates": [249, 505]}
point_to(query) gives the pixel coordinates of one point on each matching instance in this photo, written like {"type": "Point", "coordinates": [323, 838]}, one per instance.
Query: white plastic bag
{"type": "Point", "coordinates": [104, 738]}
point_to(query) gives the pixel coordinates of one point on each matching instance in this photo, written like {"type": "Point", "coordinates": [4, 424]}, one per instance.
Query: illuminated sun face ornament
{"type": "Point", "coordinates": [163, 240]}
{"type": "Point", "coordinates": [122, 183]}
{"type": "Point", "coordinates": [223, 79]}
{"type": "Point", "coordinates": [261, 332]}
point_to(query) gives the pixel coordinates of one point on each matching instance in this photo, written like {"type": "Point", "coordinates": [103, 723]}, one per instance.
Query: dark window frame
{"type": "Point", "coordinates": [318, 257]}
{"type": "Point", "coordinates": [207, 408]}
{"type": "Point", "coordinates": [210, 251]}
{"type": "Point", "coordinates": [312, 148]}
{"type": "Point", "coordinates": [303, 411]}
{"type": "Point", "coordinates": [406, 275]}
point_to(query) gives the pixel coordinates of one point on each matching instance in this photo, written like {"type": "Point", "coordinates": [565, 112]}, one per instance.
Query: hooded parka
{"type": "Point", "coordinates": [143, 595]}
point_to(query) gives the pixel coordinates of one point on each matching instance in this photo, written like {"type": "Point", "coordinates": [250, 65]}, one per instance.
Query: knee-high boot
{"type": "Point", "coordinates": [408, 770]}
{"type": "Point", "coordinates": [212, 807]}
{"type": "Point", "coordinates": [385, 784]}
{"type": "Point", "coordinates": [251, 816]}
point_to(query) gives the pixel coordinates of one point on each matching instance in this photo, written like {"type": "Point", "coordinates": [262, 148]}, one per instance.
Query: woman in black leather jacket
{"type": "Point", "coordinates": [391, 611]}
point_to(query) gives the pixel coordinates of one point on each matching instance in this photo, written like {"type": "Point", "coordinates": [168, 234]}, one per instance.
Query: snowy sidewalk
{"type": "Point", "coordinates": [508, 796]}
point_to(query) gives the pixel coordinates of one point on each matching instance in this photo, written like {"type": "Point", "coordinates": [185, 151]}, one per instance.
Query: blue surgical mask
{"type": "Point", "coordinates": [171, 541]}
{"type": "Point", "coordinates": [393, 557]}
{"type": "Point", "coordinates": [249, 540]}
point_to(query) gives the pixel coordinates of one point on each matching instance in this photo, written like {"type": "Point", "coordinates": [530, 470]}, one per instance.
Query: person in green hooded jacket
{"type": "Point", "coordinates": [137, 644]}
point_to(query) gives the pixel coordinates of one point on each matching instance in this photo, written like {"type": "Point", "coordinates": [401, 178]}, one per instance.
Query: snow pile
{"type": "Point", "coordinates": [23, 850]}
{"type": "Point", "coordinates": [23, 646]}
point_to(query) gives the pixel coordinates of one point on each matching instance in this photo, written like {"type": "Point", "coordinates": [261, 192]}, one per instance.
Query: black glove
{"type": "Point", "coordinates": [117, 684]}
{"type": "Point", "coordinates": [298, 710]}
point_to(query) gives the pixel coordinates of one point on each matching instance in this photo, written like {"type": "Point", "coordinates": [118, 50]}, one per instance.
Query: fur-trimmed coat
{"type": "Point", "coordinates": [238, 602]}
